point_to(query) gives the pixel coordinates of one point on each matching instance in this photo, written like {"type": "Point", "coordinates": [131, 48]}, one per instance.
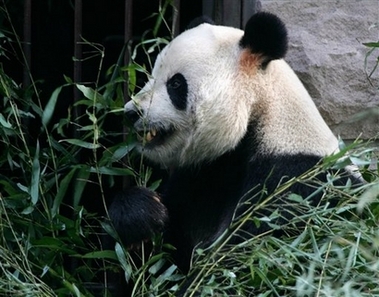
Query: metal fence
{"type": "Point", "coordinates": [227, 12]}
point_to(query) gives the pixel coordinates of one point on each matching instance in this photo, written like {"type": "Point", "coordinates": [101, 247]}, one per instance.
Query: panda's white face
{"type": "Point", "coordinates": [186, 108]}
{"type": "Point", "coordinates": [210, 82]}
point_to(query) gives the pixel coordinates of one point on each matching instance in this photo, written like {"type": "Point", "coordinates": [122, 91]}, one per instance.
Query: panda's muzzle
{"type": "Point", "coordinates": [132, 116]}
{"type": "Point", "coordinates": [148, 135]}
{"type": "Point", "coordinates": [151, 136]}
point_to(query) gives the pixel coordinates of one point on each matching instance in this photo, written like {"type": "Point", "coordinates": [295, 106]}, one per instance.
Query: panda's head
{"type": "Point", "coordinates": [205, 87]}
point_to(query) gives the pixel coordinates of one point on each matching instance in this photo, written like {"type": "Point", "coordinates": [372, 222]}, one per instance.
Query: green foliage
{"type": "Point", "coordinates": [337, 253]}
{"type": "Point", "coordinates": [51, 245]}
{"type": "Point", "coordinates": [43, 224]}
{"type": "Point", "coordinates": [373, 48]}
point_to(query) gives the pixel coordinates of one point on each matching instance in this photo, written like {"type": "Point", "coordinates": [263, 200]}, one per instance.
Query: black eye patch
{"type": "Point", "coordinates": [177, 89]}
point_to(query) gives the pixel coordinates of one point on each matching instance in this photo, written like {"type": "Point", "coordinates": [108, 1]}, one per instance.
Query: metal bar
{"type": "Point", "coordinates": [231, 13]}
{"type": "Point", "coordinates": [76, 111]}
{"type": "Point", "coordinates": [128, 35]}
{"type": "Point", "coordinates": [77, 53]}
{"type": "Point", "coordinates": [208, 8]}
{"type": "Point", "coordinates": [176, 18]}
{"type": "Point", "coordinates": [27, 43]}
{"type": "Point", "coordinates": [218, 8]}
{"type": "Point", "coordinates": [249, 7]}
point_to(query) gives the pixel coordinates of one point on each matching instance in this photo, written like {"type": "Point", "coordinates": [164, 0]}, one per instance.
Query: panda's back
{"type": "Point", "coordinates": [290, 122]}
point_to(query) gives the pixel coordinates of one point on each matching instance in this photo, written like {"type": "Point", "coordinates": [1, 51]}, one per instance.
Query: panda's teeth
{"type": "Point", "coordinates": [150, 135]}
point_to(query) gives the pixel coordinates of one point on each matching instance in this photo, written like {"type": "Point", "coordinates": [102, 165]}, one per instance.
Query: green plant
{"type": "Point", "coordinates": [43, 223]}
{"type": "Point", "coordinates": [52, 245]}
{"type": "Point", "coordinates": [337, 253]}
{"type": "Point", "coordinates": [372, 50]}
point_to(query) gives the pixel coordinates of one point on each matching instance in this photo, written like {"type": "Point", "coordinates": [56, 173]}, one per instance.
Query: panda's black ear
{"type": "Point", "coordinates": [200, 20]}
{"type": "Point", "coordinates": [265, 34]}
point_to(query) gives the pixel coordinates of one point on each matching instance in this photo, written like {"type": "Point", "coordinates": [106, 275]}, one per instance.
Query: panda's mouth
{"type": "Point", "coordinates": [154, 137]}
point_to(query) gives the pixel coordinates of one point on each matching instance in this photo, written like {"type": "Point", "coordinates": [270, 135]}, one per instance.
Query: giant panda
{"type": "Point", "coordinates": [229, 119]}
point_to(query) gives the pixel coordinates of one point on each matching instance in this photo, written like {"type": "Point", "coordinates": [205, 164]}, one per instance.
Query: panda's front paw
{"type": "Point", "coordinates": [137, 214]}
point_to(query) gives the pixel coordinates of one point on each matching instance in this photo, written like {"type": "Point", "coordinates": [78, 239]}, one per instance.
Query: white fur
{"type": "Point", "coordinates": [291, 122]}
{"type": "Point", "coordinates": [222, 100]}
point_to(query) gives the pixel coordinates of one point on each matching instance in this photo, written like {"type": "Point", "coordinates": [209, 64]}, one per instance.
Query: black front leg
{"type": "Point", "coordinates": [137, 214]}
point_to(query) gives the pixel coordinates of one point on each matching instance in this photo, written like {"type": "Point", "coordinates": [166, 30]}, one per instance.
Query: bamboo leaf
{"type": "Point", "coordinates": [116, 153]}
{"type": "Point", "coordinates": [90, 93]}
{"type": "Point", "coordinates": [81, 143]}
{"type": "Point", "coordinates": [63, 186]}
{"type": "Point", "coordinates": [108, 228]}
{"type": "Point", "coordinates": [50, 107]}
{"type": "Point", "coordinates": [122, 152]}
{"type": "Point", "coordinates": [112, 171]}
{"type": "Point", "coordinates": [79, 184]}
{"type": "Point", "coordinates": [107, 254]}
{"type": "Point", "coordinates": [123, 261]}
{"type": "Point", "coordinates": [4, 122]}
{"type": "Point", "coordinates": [87, 92]}
{"type": "Point", "coordinates": [36, 170]}
{"type": "Point", "coordinates": [371, 44]}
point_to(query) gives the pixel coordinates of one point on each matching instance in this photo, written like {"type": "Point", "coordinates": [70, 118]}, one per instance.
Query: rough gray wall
{"type": "Point", "coordinates": [326, 51]}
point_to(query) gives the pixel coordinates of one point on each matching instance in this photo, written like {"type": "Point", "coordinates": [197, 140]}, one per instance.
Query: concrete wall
{"type": "Point", "coordinates": [326, 51]}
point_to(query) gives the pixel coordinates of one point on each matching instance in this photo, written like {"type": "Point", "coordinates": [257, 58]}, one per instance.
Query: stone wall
{"type": "Point", "coordinates": [326, 51]}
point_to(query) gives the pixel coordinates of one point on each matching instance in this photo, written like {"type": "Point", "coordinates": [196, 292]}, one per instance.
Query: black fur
{"type": "Point", "coordinates": [177, 89]}
{"type": "Point", "coordinates": [201, 200]}
{"type": "Point", "coordinates": [137, 214]}
{"type": "Point", "coordinates": [132, 116]}
{"type": "Point", "coordinates": [265, 34]}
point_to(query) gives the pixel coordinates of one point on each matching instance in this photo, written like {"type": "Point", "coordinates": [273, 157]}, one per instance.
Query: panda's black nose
{"type": "Point", "coordinates": [132, 116]}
